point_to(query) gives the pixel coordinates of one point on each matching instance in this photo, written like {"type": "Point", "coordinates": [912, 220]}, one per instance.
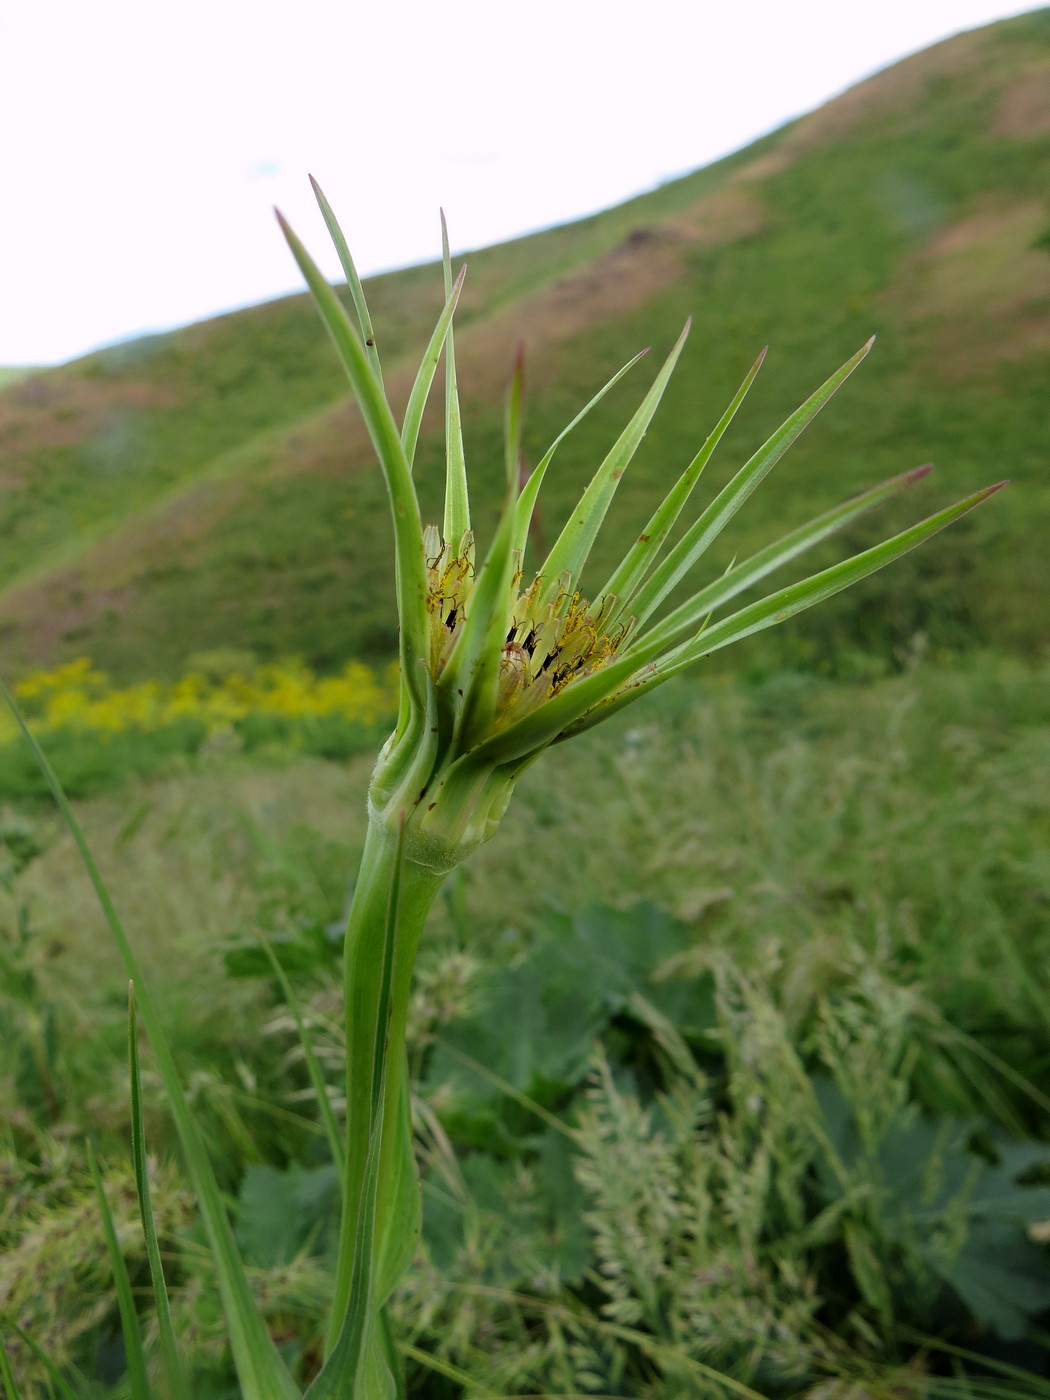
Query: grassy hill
{"type": "Point", "coordinates": [212, 487]}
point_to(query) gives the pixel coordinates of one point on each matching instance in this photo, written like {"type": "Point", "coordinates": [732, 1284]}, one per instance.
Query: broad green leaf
{"type": "Point", "coordinates": [714, 519]}
{"type": "Point", "coordinates": [260, 1370]}
{"type": "Point", "coordinates": [410, 567]}
{"type": "Point", "coordinates": [573, 545]}
{"type": "Point", "coordinates": [129, 1322]}
{"type": "Point", "coordinates": [457, 499]}
{"type": "Point", "coordinates": [417, 400]}
{"type": "Point", "coordinates": [530, 491]}
{"type": "Point", "coordinates": [357, 292]}
{"type": "Point", "coordinates": [690, 615]}
{"type": "Point", "coordinates": [169, 1347]}
{"type": "Point", "coordinates": [642, 554]}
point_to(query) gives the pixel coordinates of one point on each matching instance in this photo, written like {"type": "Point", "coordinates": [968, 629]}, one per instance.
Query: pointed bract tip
{"type": "Point", "coordinates": [868, 344]}
{"type": "Point", "coordinates": [917, 473]}
{"type": "Point", "coordinates": [991, 490]}
{"type": "Point", "coordinates": [313, 182]}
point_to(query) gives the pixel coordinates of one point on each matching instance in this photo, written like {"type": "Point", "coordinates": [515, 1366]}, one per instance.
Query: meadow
{"type": "Point", "coordinates": [746, 1077]}
{"type": "Point", "coordinates": [729, 1055]}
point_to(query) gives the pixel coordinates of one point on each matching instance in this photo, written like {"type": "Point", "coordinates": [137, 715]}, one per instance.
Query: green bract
{"type": "Point", "coordinates": [498, 665]}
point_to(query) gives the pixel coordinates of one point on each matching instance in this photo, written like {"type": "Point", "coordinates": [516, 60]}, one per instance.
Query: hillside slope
{"type": "Point", "coordinates": [212, 487]}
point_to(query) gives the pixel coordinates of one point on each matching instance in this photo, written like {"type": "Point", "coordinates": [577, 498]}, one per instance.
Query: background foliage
{"type": "Point", "coordinates": [731, 1055]}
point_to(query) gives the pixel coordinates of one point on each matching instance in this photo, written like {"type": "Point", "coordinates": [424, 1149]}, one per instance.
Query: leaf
{"type": "Point", "coordinates": [129, 1322]}
{"type": "Point", "coordinates": [356, 1364]}
{"type": "Point", "coordinates": [538, 1020]}
{"type": "Point", "coordinates": [626, 579]}
{"type": "Point", "coordinates": [410, 566]}
{"type": "Point", "coordinates": [1002, 1277]}
{"type": "Point", "coordinates": [417, 399]}
{"type": "Point", "coordinates": [58, 1381]}
{"type": "Point", "coordinates": [530, 491]}
{"type": "Point", "coordinates": [744, 575]}
{"type": "Point", "coordinates": [262, 1373]}
{"type": "Point", "coordinates": [174, 1370]}
{"type": "Point", "coordinates": [573, 545]}
{"type": "Point", "coordinates": [457, 499]}
{"type": "Point", "coordinates": [729, 500]}
{"type": "Point", "coordinates": [281, 1212]}
{"type": "Point", "coordinates": [778, 607]}
{"type": "Point", "coordinates": [357, 292]}
{"type": "Point", "coordinates": [7, 1375]}
{"type": "Point", "coordinates": [317, 1079]}
{"type": "Point", "coordinates": [648, 671]}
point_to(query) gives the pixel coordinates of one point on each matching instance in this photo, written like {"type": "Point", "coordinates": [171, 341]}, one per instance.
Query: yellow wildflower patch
{"type": "Point", "coordinates": [77, 695]}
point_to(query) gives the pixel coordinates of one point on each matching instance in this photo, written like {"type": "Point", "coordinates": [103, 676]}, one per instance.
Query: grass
{"type": "Point", "coordinates": [729, 1056]}
{"type": "Point", "coordinates": [862, 865]}
{"type": "Point", "coordinates": [204, 495]}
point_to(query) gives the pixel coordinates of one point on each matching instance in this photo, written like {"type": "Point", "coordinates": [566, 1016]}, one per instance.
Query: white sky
{"type": "Point", "coordinates": [145, 142]}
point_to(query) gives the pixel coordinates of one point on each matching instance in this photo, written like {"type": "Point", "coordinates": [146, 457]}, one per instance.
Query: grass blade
{"type": "Point", "coordinates": [410, 567]}
{"type": "Point", "coordinates": [169, 1348]}
{"type": "Point", "coordinates": [690, 615]}
{"type": "Point", "coordinates": [417, 400]}
{"type": "Point", "coordinates": [573, 545]}
{"type": "Point", "coordinates": [357, 292]}
{"type": "Point", "coordinates": [530, 491]}
{"type": "Point", "coordinates": [457, 499]}
{"type": "Point", "coordinates": [7, 1375]}
{"type": "Point", "coordinates": [129, 1321]}
{"type": "Point", "coordinates": [714, 519]}
{"type": "Point", "coordinates": [317, 1079]}
{"type": "Point", "coordinates": [642, 554]}
{"type": "Point", "coordinates": [262, 1373]}
{"type": "Point", "coordinates": [58, 1381]}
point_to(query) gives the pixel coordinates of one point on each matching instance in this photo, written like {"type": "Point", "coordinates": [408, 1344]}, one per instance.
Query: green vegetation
{"type": "Point", "coordinates": [96, 735]}
{"type": "Point", "coordinates": [748, 1075]}
{"type": "Point", "coordinates": [11, 374]}
{"type": "Point", "coordinates": [728, 1060]}
{"type": "Point", "coordinates": [211, 488]}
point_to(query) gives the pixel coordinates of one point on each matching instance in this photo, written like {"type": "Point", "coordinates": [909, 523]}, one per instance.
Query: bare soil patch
{"type": "Point", "coordinates": [979, 290]}
{"type": "Point", "coordinates": [49, 411]}
{"type": "Point", "coordinates": [1024, 111]}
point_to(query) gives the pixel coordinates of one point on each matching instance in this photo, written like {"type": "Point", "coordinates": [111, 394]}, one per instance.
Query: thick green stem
{"type": "Point", "coordinates": [397, 1204]}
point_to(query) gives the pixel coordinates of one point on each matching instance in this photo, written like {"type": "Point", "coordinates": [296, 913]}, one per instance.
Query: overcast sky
{"type": "Point", "coordinates": [145, 142]}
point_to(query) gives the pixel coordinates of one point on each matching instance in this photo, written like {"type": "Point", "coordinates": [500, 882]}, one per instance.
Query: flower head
{"type": "Point", "coordinates": [496, 665]}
